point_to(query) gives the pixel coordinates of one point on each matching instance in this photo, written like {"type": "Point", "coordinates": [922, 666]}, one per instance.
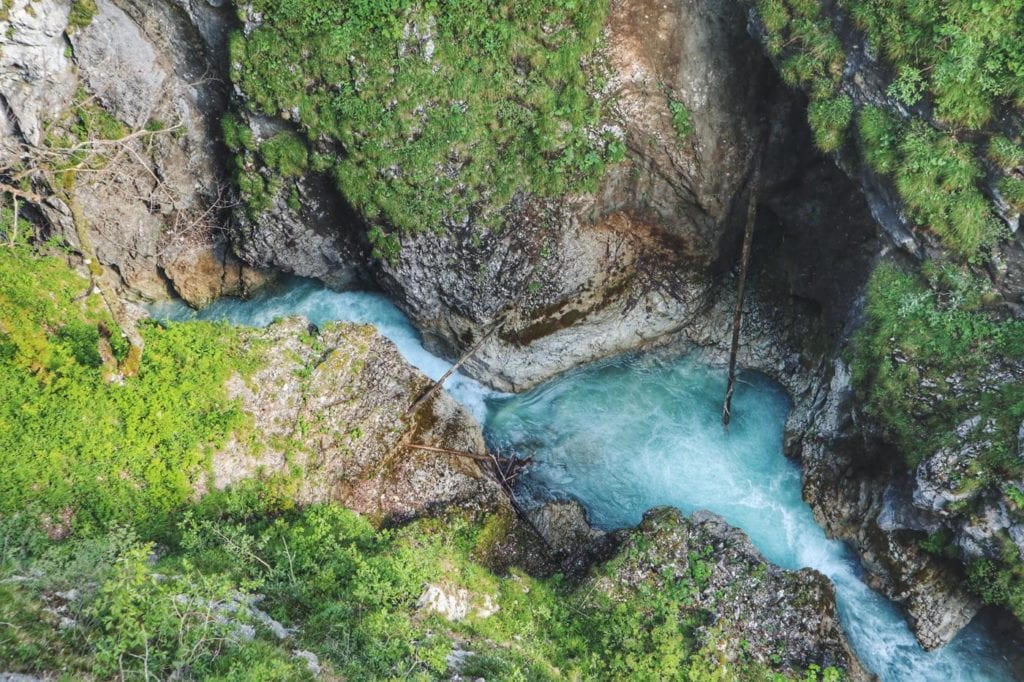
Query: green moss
{"type": "Point", "coordinates": [491, 99]}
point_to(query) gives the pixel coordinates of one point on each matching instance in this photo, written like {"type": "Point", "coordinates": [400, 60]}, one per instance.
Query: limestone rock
{"type": "Point", "coordinates": [455, 603]}
{"type": "Point", "coordinates": [333, 403]}
{"type": "Point", "coordinates": [35, 73]}
{"type": "Point", "coordinates": [757, 609]}
{"type": "Point", "coordinates": [564, 526]}
{"type": "Point", "coordinates": [308, 242]}
{"type": "Point", "coordinates": [119, 65]}
{"type": "Point", "coordinates": [161, 63]}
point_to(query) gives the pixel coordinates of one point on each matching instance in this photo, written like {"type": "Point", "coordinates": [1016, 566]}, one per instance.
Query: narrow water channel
{"type": "Point", "coordinates": [633, 432]}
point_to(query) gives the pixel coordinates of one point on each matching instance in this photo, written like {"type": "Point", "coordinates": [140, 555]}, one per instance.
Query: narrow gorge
{"type": "Point", "coordinates": [560, 186]}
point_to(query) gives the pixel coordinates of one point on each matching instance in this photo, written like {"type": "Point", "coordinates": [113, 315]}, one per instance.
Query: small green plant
{"type": "Point", "coordinates": [940, 543]}
{"type": "Point", "coordinates": [682, 119]}
{"type": "Point", "coordinates": [908, 87]}
{"type": "Point", "coordinates": [285, 153]}
{"type": "Point", "coordinates": [82, 12]}
{"type": "Point", "coordinates": [1005, 153]}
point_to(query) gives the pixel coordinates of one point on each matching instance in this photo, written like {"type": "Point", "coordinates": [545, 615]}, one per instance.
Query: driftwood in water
{"type": "Point", "coordinates": [748, 238]}
{"type": "Point", "coordinates": [414, 408]}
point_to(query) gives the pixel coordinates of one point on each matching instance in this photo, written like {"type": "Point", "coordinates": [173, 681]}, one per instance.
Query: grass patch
{"type": "Point", "coordinates": [966, 58]}
{"type": "Point", "coordinates": [81, 15]}
{"type": "Point", "coordinates": [922, 336]}
{"type": "Point", "coordinates": [936, 176]}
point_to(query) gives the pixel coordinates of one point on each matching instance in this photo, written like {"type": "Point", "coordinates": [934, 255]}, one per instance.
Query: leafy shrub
{"type": "Point", "coordinates": [682, 119]}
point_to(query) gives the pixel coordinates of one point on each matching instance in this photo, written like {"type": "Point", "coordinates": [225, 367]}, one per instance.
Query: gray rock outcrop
{"type": "Point", "coordinates": [332, 403]}
{"type": "Point", "coordinates": [758, 611]}
{"type": "Point", "coordinates": [154, 203]}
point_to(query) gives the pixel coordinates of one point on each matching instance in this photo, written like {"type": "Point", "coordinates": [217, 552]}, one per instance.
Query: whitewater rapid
{"type": "Point", "coordinates": [637, 431]}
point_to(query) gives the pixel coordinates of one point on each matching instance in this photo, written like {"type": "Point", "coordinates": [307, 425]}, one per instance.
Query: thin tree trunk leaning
{"type": "Point", "coordinates": [415, 407]}
{"type": "Point", "coordinates": [737, 319]}
{"type": "Point", "coordinates": [128, 367]}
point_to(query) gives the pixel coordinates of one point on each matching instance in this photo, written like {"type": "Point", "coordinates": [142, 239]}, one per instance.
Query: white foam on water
{"type": "Point", "coordinates": [635, 432]}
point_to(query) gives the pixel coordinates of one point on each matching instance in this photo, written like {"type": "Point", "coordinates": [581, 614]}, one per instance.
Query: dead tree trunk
{"type": "Point", "coordinates": [737, 319]}
{"type": "Point", "coordinates": [414, 408]}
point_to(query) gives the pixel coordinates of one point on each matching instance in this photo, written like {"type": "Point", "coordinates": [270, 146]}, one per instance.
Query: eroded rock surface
{"type": "Point", "coordinates": [153, 205]}
{"type": "Point", "coordinates": [754, 608]}
{"type": "Point", "coordinates": [331, 402]}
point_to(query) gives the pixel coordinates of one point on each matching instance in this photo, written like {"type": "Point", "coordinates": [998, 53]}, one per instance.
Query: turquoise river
{"type": "Point", "coordinates": [629, 433]}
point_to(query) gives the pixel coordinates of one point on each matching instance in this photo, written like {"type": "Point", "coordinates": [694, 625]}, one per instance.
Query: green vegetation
{"type": "Point", "coordinates": [920, 339]}
{"type": "Point", "coordinates": [829, 119]}
{"type": "Point", "coordinates": [79, 448]}
{"type": "Point", "coordinates": [936, 176]}
{"type": "Point", "coordinates": [349, 594]}
{"type": "Point", "coordinates": [82, 12]}
{"type": "Point", "coordinates": [682, 119]}
{"type": "Point", "coordinates": [111, 568]}
{"type": "Point", "coordinates": [967, 54]}
{"type": "Point", "coordinates": [423, 112]}
{"type": "Point", "coordinates": [1005, 153]}
{"type": "Point", "coordinates": [965, 57]}
{"type": "Point", "coordinates": [928, 360]}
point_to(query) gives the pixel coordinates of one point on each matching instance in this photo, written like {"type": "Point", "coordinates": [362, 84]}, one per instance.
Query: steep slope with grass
{"type": "Point", "coordinates": [190, 521]}
{"type": "Point", "coordinates": [915, 454]}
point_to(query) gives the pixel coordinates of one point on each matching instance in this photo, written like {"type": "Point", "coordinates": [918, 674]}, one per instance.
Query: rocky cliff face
{"type": "Point", "coordinates": [854, 477]}
{"type": "Point", "coordinates": [757, 611]}
{"type": "Point", "coordinates": [150, 193]}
